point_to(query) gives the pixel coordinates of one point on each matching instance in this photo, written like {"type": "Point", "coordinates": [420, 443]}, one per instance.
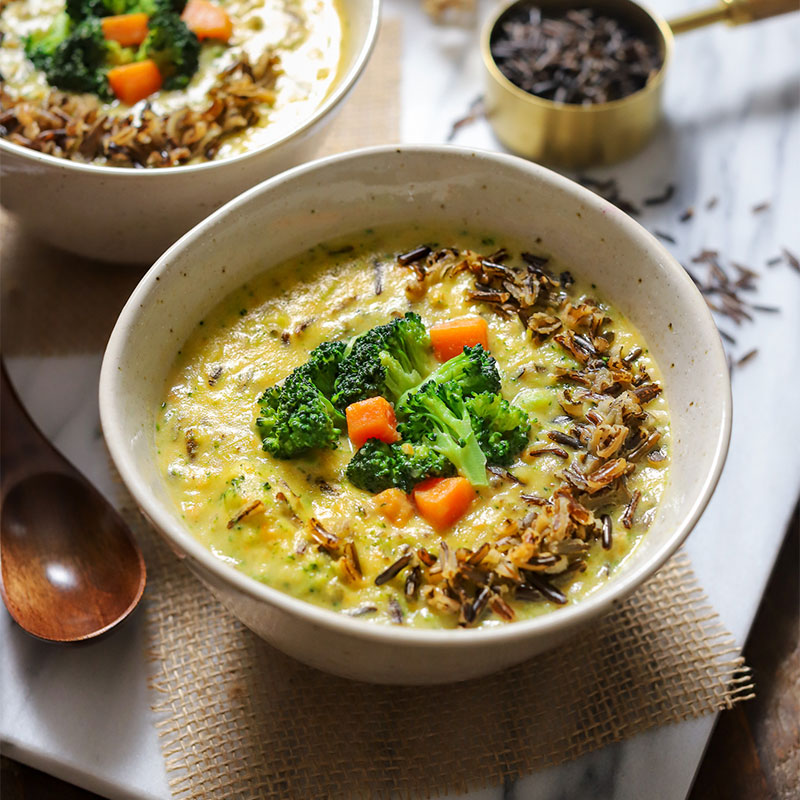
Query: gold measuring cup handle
{"type": "Point", "coordinates": [734, 12]}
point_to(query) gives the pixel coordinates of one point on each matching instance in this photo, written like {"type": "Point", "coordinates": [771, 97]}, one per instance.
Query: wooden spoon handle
{"type": "Point", "coordinates": [734, 12]}
{"type": "Point", "coordinates": [23, 448]}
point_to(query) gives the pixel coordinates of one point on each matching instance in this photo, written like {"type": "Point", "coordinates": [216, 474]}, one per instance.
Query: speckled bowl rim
{"type": "Point", "coordinates": [333, 99]}
{"type": "Point", "coordinates": [560, 620]}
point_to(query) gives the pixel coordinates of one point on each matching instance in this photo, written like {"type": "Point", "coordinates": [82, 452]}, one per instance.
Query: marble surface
{"type": "Point", "coordinates": [732, 130]}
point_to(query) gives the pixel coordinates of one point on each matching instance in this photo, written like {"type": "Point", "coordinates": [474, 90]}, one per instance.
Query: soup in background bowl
{"type": "Point", "coordinates": [131, 215]}
{"type": "Point", "coordinates": [242, 87]}
{"type": "Point", "coordinates": [395, 189]}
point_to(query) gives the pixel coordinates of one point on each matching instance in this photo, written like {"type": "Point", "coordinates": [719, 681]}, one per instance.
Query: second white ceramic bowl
{"type": "Point", "coordinates": [394, 186]}
{"type": "Point", "coordinates": [123, 215]}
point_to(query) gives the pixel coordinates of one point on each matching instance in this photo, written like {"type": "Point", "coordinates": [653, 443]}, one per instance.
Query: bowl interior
{"type": "Point", "coordinates": [454, 187]}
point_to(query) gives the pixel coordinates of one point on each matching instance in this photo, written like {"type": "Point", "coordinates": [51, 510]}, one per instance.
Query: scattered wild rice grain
{"type": "Point", "coordinates": [747, 357]}
{"type": "Point", "coordinates": [686, 215]}
{"type": "Point", "coordinates": [662, 198]}
{"type": "Point", "coordinates": [476, 111]}
{"type": "Point", "coordinates": [665, 236]}
{"type": "Point", "coordinates": [793, 260]}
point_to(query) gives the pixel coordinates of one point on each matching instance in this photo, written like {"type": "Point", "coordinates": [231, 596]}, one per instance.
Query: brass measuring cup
{"type": "Point", "coordinates": [574, 136]}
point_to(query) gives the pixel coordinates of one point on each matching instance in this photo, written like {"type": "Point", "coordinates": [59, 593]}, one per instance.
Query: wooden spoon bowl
{"type": "Point", "coordinates": [70, 568]}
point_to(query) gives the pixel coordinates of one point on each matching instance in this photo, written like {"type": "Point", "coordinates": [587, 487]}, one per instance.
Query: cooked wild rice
{"type": "Point", "coordinates": [76, 127]}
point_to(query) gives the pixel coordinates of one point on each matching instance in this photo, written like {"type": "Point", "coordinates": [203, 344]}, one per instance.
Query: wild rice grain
{"type": "Point", "coordinates": [793, 260]}
{"type": "Point", "coordinates": [393, 569]}
{"type": "Point", "coordinates": [395, 611]}
{"type": "Point", "coordinates": [414, 255]}
{"type": "Point", "coordinates": [544, 586]}
{"type": "Point", "coordinates": [607, 531]}
{"type": "Point", "coordinates": [660, 199]}
{"type": "Point", "coordinates": [630, 509]}
{"type": "Point", "coordinates": [751, 354]}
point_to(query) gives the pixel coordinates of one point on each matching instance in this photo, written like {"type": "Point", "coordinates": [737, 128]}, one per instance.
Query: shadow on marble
{"type": "Point", "coordinates": [54, 302]}
{"type": "Point", "coordinates": [92, 720]}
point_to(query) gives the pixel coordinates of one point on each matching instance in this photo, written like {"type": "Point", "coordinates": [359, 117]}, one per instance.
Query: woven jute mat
{"type": "Point", "coordinates": [238, 719]}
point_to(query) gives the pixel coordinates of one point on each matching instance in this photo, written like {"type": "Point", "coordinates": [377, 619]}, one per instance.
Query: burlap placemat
{"type": "Point", "coordinates": [238, 719]}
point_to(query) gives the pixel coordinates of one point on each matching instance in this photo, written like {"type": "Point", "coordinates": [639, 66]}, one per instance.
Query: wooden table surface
{"type": "Point", "coordinates": [754, 753]}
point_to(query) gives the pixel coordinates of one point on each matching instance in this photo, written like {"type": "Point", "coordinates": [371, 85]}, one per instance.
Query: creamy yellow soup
{"type": "Point", "coordinates": [305, 34]}
{"type": "Point", "coordinates": [257, 512]}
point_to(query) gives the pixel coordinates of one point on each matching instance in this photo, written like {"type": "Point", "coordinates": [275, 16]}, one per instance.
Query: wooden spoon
{"type": "Point", "coordinates": [70, 567]}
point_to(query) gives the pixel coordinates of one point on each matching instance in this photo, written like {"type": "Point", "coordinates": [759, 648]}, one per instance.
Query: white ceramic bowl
{"type": "Point", "coordinates": [395, 185]}
{"type": "Point", "coordinates": [125, 215]}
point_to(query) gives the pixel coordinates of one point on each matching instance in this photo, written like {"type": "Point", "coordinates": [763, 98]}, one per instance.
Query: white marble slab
{"type": "Point", "coordinates": [733, 130]}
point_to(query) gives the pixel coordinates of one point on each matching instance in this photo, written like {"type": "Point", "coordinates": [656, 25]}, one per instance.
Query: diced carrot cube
{"type": "Point", "coordinates": [127, 29]}
{"type": "Point", "coordinates": [443, 501]}
{"type": "Point", "coordinates": [372, 418]}
{"type": "Point", "coordinates": [207, 20]}
{"type": "Point", "coordinates": [448, 339]}
{"type": "Point", "coordinates": [133, 82]}
{"type": "Point", "coordinates": [394, 505]}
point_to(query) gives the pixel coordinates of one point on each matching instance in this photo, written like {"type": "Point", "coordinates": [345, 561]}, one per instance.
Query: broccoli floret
{"type": "Point", "coordinates": [378, 466]}
{"type": "Point", "coordinates": [474, 370]}
{"type": "Point", "coordinates": [385, 361]}
{"type": "Point", "coordinates": [41, 46]}
{"type": "Point", "coordinates": [83, 9]}
{"type": "Point", "coordinates": [322, 366]}
{"type": "Point", "coordinates": [77, 62]}
{"type": "Point", "coordinates": [502, 429]}
{"type": "Point", "coordinates": [296, 417]}
{"type": "Point", "coordinates": [437, 415]}
{"type": "Point", "coordinates": [174, 48]}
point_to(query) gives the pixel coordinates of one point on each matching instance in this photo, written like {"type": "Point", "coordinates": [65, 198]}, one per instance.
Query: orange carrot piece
{"type": "Point", "coordinates": [442, 501]}
{"type": "Point", "coordinates": [372, 418]}
{"type": "Point", "coordinates": [207, 20]}
{"type": "Point", "coordinates": [448, 339]}
{"type": "Point", "coordinates": [394, 505]}
{"type": "Point", "coordinates": [127, 29]}
{"type": "Point", "coordinates": [133, 82]}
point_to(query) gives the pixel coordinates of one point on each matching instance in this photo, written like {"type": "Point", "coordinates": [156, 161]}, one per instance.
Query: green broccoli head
{"type": "Point", "coordinates": [377, 466]}
{"type": "Point", "coordinates": [41, 46]}
{"type": "Point", "coordinates": [174, 48]}
{"type": "Point", "coordinates": [437, 415]}
{"type": "Point", "coordinates": [83, 9]}
{"type": "Point", "coordinates": [322, 366]}
{"type": "Point", "coordinates": [386, 361]}
{"type": "Point", "coordinates": [78, 10]}
{"type": "Point", "coordinates": [296, 417]}
{"type": "Point", "coordinates": [73, 57]}
{"type": "Point", "coordinates": [474, 370]}
{"type": "Point", "coordinates": [502, 429]}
